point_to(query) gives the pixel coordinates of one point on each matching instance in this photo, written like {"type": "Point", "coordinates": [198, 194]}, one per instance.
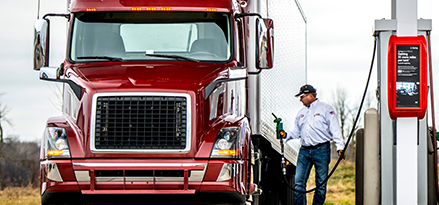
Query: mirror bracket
{"type": "Point", "coordinates": [75, 87]}
{"type": "Point", "coordinates": [53, 74]}
{"type": "Point", "coordinates": [255, 73]}
{"type": "Point", "coordinates": [237, 16]}
{"type": "Point", "coordinates": [67, 16]}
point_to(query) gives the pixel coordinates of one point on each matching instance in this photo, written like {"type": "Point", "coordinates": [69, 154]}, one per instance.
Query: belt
{"type": "Point", "coordinates": [316, 146]}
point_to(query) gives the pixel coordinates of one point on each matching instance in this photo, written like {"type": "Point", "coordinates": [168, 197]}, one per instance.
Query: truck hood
{"type": "Point", "coordinates": [158, 76]}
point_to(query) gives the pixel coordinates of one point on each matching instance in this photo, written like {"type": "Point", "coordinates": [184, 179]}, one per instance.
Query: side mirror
{"type": "Point", "coordinates": [41, 44]}
{"type": "Point", "coordinates": [264, 43]}
{"type": "Point", "coordinates": [49, 73]}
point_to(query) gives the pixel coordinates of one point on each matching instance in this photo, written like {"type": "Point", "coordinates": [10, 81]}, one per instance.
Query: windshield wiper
{"type": "Point", "coordinates": [101, 57]}
{"type": "Point", "coordinates": [177, 57]}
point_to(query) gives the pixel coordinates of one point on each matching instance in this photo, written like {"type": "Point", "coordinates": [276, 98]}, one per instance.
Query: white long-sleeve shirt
{"type": "Point", "coordinates": [317, 124]}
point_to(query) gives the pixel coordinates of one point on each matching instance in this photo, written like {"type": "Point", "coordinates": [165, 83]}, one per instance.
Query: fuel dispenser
{"type": "Point", "coordinates": [407, 102]}
{"type": "Point", "coordinates": [402, 93]}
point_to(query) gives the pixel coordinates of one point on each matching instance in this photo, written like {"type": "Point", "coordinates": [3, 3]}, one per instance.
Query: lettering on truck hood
{"type": "Point", "coordinates": [147, 76]}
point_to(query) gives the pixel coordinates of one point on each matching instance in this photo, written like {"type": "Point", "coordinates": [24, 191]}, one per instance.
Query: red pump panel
{"type": "Point", "coordinates": [407, 76]}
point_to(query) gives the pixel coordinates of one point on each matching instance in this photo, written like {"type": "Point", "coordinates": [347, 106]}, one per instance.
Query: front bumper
{"type": "Point", "coordinates": [146, 178]}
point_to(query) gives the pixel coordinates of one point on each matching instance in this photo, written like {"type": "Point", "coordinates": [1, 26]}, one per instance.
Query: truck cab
{"type": "Point", "coordinates": [155, 102]}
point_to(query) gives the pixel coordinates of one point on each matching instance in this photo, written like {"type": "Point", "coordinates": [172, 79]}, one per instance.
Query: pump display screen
{"type": "Point", "coordinates": [407, 76]}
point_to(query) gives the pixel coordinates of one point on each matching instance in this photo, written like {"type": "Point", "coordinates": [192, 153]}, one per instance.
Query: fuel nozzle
{"type": "Point", "coordinates": [284, 166]}
{"type": "Point", "coordinates": [280, 133]}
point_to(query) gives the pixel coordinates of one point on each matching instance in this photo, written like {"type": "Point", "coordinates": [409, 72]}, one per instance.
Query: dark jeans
{"type": "Point", "coordinates": [319, 157]}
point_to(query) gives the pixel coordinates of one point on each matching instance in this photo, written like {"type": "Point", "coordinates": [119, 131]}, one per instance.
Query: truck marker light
{"type": "Point", "coordinates": [227, 152]}
{"type": "Point", "coordinates": [55, 152]}
{"type": "Point", "coordinates": [165, 9]}
{"type": "Point", "coordinates": [211, 10]}
{"type": "Point", "coordinates": [136, 9]}
{"type": "Point", "coordinates": [90, 9]}
{"type": "Point", "coordinates": [151, 9]}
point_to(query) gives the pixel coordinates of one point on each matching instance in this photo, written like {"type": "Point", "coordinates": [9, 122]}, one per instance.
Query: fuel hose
{"type": "Point", "coordinates": [433, 137]}
{"type": "Point", "coordinates": [347, 142]}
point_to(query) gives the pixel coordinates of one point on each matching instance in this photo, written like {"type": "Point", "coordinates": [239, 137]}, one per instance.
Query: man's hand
{"type": "Point", "coordinates": [341, 154]}
{"type": "Point", "coordinates": [283, 134]}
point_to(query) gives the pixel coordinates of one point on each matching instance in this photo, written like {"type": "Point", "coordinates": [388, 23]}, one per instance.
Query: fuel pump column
{"type": "Point", "coordinates": [402, 94]}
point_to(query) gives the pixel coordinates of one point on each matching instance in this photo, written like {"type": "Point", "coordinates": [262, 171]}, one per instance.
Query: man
{"type": "Point", "coordinates": [316, 124]}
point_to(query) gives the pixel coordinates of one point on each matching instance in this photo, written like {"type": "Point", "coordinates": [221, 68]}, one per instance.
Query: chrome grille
{"type": "Point", "coordinates": [140, 123]}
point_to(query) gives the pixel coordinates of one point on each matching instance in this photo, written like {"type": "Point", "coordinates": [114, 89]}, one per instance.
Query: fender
{"type": "Point", "coordinates": [55, 170]}
{"type": "Point", "coordinates": [74, 137]}
{"type": "Point", "coordinates": [209, 136]}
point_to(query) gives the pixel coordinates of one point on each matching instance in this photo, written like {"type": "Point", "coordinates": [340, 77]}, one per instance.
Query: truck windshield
{"type": "Point", "coordinates": [126, 36]}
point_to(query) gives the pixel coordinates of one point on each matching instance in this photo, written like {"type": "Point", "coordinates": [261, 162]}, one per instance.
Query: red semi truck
{"type": "Point", "coordinates": [162, 103]}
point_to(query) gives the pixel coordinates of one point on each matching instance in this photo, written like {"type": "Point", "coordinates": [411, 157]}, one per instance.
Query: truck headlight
{"type": "Point", "coordinates": [227, 143]}
{"type": "Point", "coordinates": [56, 143]}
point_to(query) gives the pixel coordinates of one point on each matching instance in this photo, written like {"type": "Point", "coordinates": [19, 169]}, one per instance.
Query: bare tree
{"type": "Point", "coordinates": [21, 167]}
{"type": "Point", "coordinates": [4, 110]}
{"type": "Point", "coordinates": [18, 160]}
{"type": "Point", "coordinates": [339, 103]}
{"type": "Point", "coordinates": [347, 114]}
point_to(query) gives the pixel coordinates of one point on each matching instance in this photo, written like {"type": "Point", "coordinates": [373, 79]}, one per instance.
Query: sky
{"type": "Point", "coordinates": [339, 40]}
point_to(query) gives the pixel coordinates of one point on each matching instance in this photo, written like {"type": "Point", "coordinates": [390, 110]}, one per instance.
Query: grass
{"type": "Point", "coordinates": [341, 186]}
{"type": "Point", "coordinates": [20, 195]}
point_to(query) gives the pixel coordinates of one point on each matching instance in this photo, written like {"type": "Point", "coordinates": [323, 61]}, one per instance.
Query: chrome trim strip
{"type": "Point", "coordinates": [109, 179]}
{"type": "Point", "coordinates": [146, 179]}
{"type": "Point", "coordinates": [167, 151]}
{"type": "Point", "coordinates": [139, 179]}
{"type": "Point", "coordinates": [52, 172]}
{"type": "Point", "coordinates": [86, 164]}
{"type": "Point", "coordinates": [237, 72]}
{"type": "Point", "coordinates": [214, 102]}
{"type": "Point", "coordinates": [196, 175]}
{"type": "Point", "coordinates": [82, 176]}
{"type": "Point", "coordinates": [228, 171]}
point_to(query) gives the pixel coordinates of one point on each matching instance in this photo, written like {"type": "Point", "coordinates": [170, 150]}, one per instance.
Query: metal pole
{"type": "Point", "coordinates": [371, 157]}
{"type": "Point", "coordinates": [406, 127]}
{"type": "Point", "coordinates": [384, 29]}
